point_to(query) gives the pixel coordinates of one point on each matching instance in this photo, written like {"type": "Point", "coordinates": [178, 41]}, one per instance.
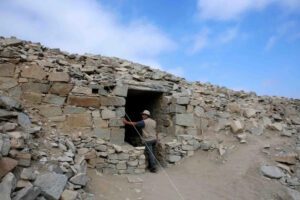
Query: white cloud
{"type": "Point", "coordinates": [289, 30]}
{"type": "Point", "coordinates": [82, 26]}
{"type": "Point", "coordinates": [206, 38]}
{"type": "Point", "coordinates": [233, 9]}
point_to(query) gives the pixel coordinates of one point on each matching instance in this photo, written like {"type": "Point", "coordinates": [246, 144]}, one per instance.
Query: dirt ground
{"type": "Point", "coordinates": [206, 175]}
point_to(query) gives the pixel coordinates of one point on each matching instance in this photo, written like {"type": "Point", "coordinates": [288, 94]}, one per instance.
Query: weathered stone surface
{"type": "Point", "coordinates": [249, 113]}
{"type": "Point", "coordinates": [7, 69]}
{"type": "Point", "coordinates": [108, 114]}
{"type": "Point", "coordinates": [236, 126]}
{"type": "Point", "coordinates": [182, 100]}
{"type": "Point", "coordinates": [12, 41]}
{"type": "Point", "coordinates": [112, 101]}
{"type": "Point", "coordinates": [100, 123]}
{"type": "Point", "coordinates": [103, 133]}
{"type": "Point", "coordinates": [59, 77]}
{"type": "Point", "coordinates": [28, 193]}
{"type": "Point", "coordinates": [82, 90]}
{"type": "Point", "coordinates": [74, 110]}
{"type": "Point", "coordinates": [271, 172]}
{"type": "Point", "coordinates": [35, 87]}
{"type": "Point", "coordinates": [69, 195]}
{"type": "Point", "coordinates": [50, 111]}
{"type": "Point", "coordinates": [9, 127]}
{"type": "Point", "coordinates": [173, 158]}
{"type": "Point", "coordinates": [7, 83]}
{"type": "Point", "coordinates": [79, 179]}
{"type": "Point", "coordinates": [24, 159]}
{"type": "Point", "coordinates": [28, 174]}
{"type": "Point", "coordinates": [174, 108]}
{"type": "Point", "coordinates": [10, 103]}
{"type": "Point", "coordinates": [288, 159]}
{"type": "Point", "coordinates": [33, 71]}
{"type": "Point", "coordinates": [275, 126]}
{"type": "Point", "coordinates": [5, 113]}
{"type": "Point", "coordinates": [7, 165]}
{"type": "Point", "coordinates": [234, 107]}
{"type": "Point", "coordinates": [79, 120]}
{"type": "Point", "coordinates": [62, 89]}
{"type": "Point", "coordinates": [115, 122]}
{"type": "Point", "coordinates": [51, 184]}
{"type": "Point", "coordinates": [84, 101]}
{"type": "Point", "coordinates": [24, 120]}
{"type": "Point", "coordinates": [120, 112]}
{"type": "Point", "coordinates": [32, 97]}
{"type": "Point", "coordinates": [184, 119]}
{"type": "Point", "coordinates": [54, 99]}
{"type": "Point", "coordinates": [117, 135]}
{"type": "Point", "coordinates": [7, 185]}
{"type": "Point", "coordinates": [120, 90]}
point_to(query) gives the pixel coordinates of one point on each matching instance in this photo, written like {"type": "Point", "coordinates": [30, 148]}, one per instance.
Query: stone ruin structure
{"type": "Point", "coordinates": [75, 104]}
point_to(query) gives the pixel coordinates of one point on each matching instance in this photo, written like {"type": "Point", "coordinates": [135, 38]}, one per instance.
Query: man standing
{"type": "Point", "coordinates": [149, 137]}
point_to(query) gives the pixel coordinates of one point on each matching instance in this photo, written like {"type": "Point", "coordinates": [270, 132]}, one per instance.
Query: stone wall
{"type": "Point", "coordinates": [87, 94]}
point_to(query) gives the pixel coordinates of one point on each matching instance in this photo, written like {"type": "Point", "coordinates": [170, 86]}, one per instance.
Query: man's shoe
{"type": "Point", "coordinates": [153, 170]}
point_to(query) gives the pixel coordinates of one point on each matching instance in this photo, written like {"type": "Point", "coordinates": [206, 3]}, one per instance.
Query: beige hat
{"type": "Point", "coordinates": [146, 112]}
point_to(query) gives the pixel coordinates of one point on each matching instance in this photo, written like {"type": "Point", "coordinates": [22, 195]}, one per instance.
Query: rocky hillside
{"type": "Point", "coordinates": [61, 113]}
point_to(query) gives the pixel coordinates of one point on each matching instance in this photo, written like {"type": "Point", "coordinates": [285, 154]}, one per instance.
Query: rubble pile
{"type": "Point", "coordinates": [76, 103]}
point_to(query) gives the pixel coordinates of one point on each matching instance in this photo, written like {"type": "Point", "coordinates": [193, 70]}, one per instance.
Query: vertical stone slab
{"type": "Point", "coordinates": [117, 135]}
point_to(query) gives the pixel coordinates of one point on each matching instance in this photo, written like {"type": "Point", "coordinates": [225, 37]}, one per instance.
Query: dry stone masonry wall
{"type": "Point", "coordinates": [71, 106]}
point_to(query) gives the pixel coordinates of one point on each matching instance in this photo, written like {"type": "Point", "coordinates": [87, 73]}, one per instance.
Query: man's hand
{"type": "Point", "coordinates": [124, 120]}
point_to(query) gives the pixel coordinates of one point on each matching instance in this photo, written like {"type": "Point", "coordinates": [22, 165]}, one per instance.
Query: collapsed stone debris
{"type": "Point", "coordinates": [61, 114]}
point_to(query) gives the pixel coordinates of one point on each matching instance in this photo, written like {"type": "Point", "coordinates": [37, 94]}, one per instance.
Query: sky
{"type": "Point", "coordinates": [250, 45]}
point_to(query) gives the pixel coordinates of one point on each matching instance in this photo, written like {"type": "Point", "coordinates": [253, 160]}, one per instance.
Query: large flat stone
{"type": "Point", "coordinates": [59, 77]}
{"type": "Point", "coordinates": [74, 110]}
{"type": "Point", "coordinates": [7, 69]}
{"type": "Point", "coordinates": [10, 103]}
{"type": "Point", "coordinates": [82, 90]}
{"type": "Point", "coordinates": [271, 172]}
{"type": "Point", "coordinates": [79, 179]}
{"type": "Point", "coordinates": [36, 87]}
{"type": "Point", "coordinates": [103, 133]}
{"type": "Point", "coordinates": [33, 71]}
{"type": "Point", "coordinates": [7, 165]}
{"type": "Point", "coordinates": [84, 101]}
{"type": "Point", "coordinates": [51, 184]}
{"type": "Point", "coordinates": [7, 83]}
{"type": "Point", "coordinates": [174, 108]}
{"type": "Point", "coordinates": [7, 185]}
{"type": "Point", "coordinates": [112, 101]}
{"type": "Point", "coordinates": [54, 99]}
{"type": "Point", "coordinates": [117, 135]}
{"type": "Point", "coordinates": [79, 120]}
{"type": "Point", "coordinates": [62, 89]}
{"type": "Point", "coordinates": [115, 122]}
{"type": "Point", "coordinates": [100, 123]}
{"type": "Point", "coordinates": [184, 119]}
{"type": "Point", "coordinates": [108, 114]}
{"type": "Point", "coordinates": [50, 111]}
{"type": "Point", "coordinates": [32, 97]}
{"type": "Point", "coordinates": [28, 193]}
{"type": "Point", "coordinates": [120, 90]}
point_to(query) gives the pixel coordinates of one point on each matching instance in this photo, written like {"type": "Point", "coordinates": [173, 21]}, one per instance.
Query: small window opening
{"type": "Point", "coordinates": [95, 90]}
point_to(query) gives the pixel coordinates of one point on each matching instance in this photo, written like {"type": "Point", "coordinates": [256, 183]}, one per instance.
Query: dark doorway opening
{"type": "Point", "coordinates": [136, 102]}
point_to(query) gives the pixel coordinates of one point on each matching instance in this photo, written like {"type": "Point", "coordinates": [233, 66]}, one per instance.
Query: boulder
{"type": "Point", "coordinates": [28, 193]}
{"type": "Point", "coordinates": [236, 126]}
{"type": "Point", "coordinates": [184, 119]}
{"type": "Point", "coordinates": [7, 185]}
{"type": "Point", "coordinates": [7, 165]}
{"type": "Point", "coordinates": [271, 171]}
{"type": "Point", "coordinates": [51, 184]}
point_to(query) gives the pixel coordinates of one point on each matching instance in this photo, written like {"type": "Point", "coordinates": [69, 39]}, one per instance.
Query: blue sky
{"type": "Point", "coordinates": [251, 45]}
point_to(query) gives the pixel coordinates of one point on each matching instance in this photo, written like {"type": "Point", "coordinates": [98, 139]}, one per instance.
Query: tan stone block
{"type": "Point", "coordinates": [33, 71]}
{"type": "Point", "coordinates": [84, 101]}
{"type": "Point", "coordinates": [59, 77]}
{"type": "Point", "coordinates": [6, 165]}
{"type": "Point", "coordinates": [79, 120]}
{"type": "Point", "coordinates": [82, 90]}
{"type": "Point", "coordinates": [50, 111]}
{"type": "Point", "coordinates": [7, 83]}
{"type": "Point", "coordinates": [32, 97]}
{"type": "Point", "coordinates": [62, 89]}
{"type": "Point", "coordinates": [7, 69]}
{"type": "Point", "coordinates": [100, 123]}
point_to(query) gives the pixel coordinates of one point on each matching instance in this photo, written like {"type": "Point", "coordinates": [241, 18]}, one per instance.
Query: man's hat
{"type": "Point", "coordinates": [146, 112]}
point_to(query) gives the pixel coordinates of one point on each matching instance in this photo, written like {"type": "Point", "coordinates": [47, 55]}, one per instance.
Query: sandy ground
{"type": "Point", "coordinates": [205, 175]}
